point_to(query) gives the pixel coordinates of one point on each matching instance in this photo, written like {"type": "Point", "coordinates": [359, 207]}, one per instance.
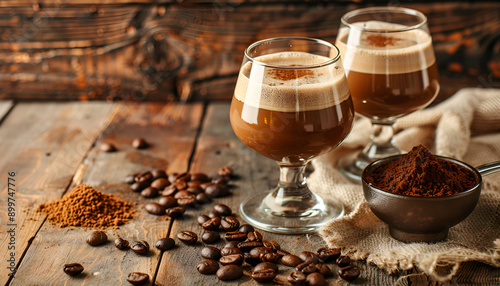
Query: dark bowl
{"type": "Point", "coordinates": [420, 219]}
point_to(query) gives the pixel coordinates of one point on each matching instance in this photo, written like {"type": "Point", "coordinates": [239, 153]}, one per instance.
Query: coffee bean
{"type": "Point", "coordinates": [235, 235]}
{"type": "Point", "coordinates": [246, 246]}
{"type": "Point", "coordinates": [217, 190]}
{"type": "Point", "coordinates": [149, 192]}
{"type": "Point", "coordinates": [235, 259]}
{"type": "Point", "coordinates": [154, 208]}
{"type": "Point", "coordinates": [271, 257]}
{"type": "Point", "coordinates": [223, 209]}
{"type": "Point", "coordinates": [212, 224]}
{"type": "Point", "coordinates": [208, 266]}
{"type": "Point", "coordinates": [121, 243]}
{"type": "Point", "coordinates": [144, 177]}
{"type": "Point", "coordinates": [211, 252]}
{"type": "Point", "coordinates": [130, 179]}
{"type": "Point", "coordinates": [349, 273]}
{"type": "Point", "coordinates": [139, 186]}
{"type": "Point", "coordinates": [138, 278]}
{"type": "Point", "coordinates": [223, 180]}
{"type": "Point", "coordinates": [204, 185]}
{"type": "Point", "coordinates": [266, 265]}
{"type": "Point", "coordinates": [308, 256]}
{"type": "Point", "coordinates": [159, 174]}
{"type": "Point", "coordinates": [255, 236]}
{"type": "Point", "coordinates": [328, 254]}
{"type": "Point", "coordinates": [246, 228]}
{"type": "Point", "coordinates": [107, 147]}
{"type": "Point", "coordinates": [291, 260]}
{"type": "Point", "coordinates": [213, 214]}
{"type": "Point", "coordinates": [264, 275]}
{"type": "Point", "coordinates": [168, 202]}
{"type": "Point", "coordinates": [165, 243]}
{"type": "Point", "coordinates": [97, 237]}
{"type": "Point", "coordinates": [175, 212]}
{"type": "Point", "coordinates": [257, 252]}
{"type": "Point", "coordinates": [225, 171]}
{"type": "Point", "coordinates": [315, 279]}
{"type": "Point", "coordinates": [343, 261]}
{"type": "Point", "coordinates": [169, 191]}
{"type": "Point", "coordinates": [229, 223]}
{"type": "Point", "coordinates": [140, 247]}
{"type": "Point", "coordinates": [203, 198]}
{"type": "Point", "coordinates": [187, 201]}
{"type": "Point", "coordinates": [296, 278]}
{"type": "Point", "coordinates": [181, 177]}
{"type": "Point", "coordinates": [229, 272]}
{"type": "Point", "coordinates": [202, 177]}
{"type": "Point", "coordinates": [272, 244]}
{"type": "Point", "coordinates": [139, 143]}
{"type": "Point", "coordinates": [182, 194]}
{"type": "Point", "coordinates": [188, 237]}
{"type": "Point", "coordinates": [195, 190]}
{"type": "Point", "coordinates": [160, 183]}
{"type": "Point", "coordinates": [210, 236]}
{"type": "Point", "coordinates": [230, 250]}
{"type": "Point", "coordinates": [324, 270]}
{"type": "Point", "coordinates": [73, 269]}
{"type": "Point", "coordinates": [306, 267]}
{"type": "Point", "coordinates": [233, 243]}
{"type": "Point", "coordinates": [202, 218]}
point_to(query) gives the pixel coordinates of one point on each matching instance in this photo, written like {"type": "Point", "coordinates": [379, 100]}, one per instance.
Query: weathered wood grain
{"type": "Point", "coordinates": [42, 143]}
{"type": "Point", "coordinates": [171, 132]}
{"type": "Point", "coordinates": [5, 107]}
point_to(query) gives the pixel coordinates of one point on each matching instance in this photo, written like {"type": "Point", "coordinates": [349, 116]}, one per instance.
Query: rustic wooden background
{"type": "Point", "coordinates": [154, 50]}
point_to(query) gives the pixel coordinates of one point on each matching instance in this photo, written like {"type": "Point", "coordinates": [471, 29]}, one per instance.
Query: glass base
{"type": "Point", "coordinates": [352, 167]}
{"type": "Point", "coordinates": [260, 211]}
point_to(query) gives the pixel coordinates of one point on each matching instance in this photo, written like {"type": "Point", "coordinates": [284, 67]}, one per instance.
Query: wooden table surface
{"type": "Point", "coordinates": [53, 147]}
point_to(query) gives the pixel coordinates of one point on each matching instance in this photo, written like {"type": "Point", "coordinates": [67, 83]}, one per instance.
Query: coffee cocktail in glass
{"type": "Point", "coordinates": [391, 70]}
{"type": "Point", "coordinates": [291, 104]}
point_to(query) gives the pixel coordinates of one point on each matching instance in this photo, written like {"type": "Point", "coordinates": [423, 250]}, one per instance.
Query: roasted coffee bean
{"type": "Point", "coordinates": [315, 279]}
{"type": "Point", "coordinates": [204, 185]}
{"type": "Point", "coordinates": [182, 177]}
{"type": "Point", "coordinates": [255, 236]}
{"type": "Point", "coordinates": [213, 214]}
{"type": "Point", "coordinates": [296, 278]}
{"type": "Point", "coordinates": [97, 237]}
{"type": "Point", "coordinates": [155, 208]}
{"type": "Point", "coordinates": [233, 243]}
{"type": "Point", "coordinates": [230, 250]}
{"type": "Point", "coordinates": [73, 269]}
{"type": "Point", "coordinates": [259, 251]}
{"type": "Point", "coordinates": [271, 257]}
{"type": "Point", "coordinates": [272, 244]}
{"type": "Point", "coordinates": [246, 228]}
{"type": "Point", "coordinates": [140, 247]}
{"type": "Point", "coordinates": [175, 212]}
{"type": "Point", "coordinates": [223, 209]}
{"type": "Point", "coordinates": [210, 236]}
{"type": "Point", "coordinates": [235, 259]}
{"type": "Point", "coordinates": [180, 184]}
{"type": "Point", "coordinates": [144, 177]}
{"type": "Point", "coordinates": [308, 256]}
{"type": "Point", "coordinates": [165, 243]}
{"type": "Point", "coordinates": [229, 272]}
{"type": "Point", "coordinates": [130, 179]}
{"type": "Point", "coordinates": [328, 254]}
{"type": "Point", "coordinates": [349, 273]}
{"type": "Point", "coordinates": [324, 270]}
{"type": "Point", "coordinates": [291, 260]}
{"type": "Point", "coordinates": [157, 173]}
{"type": "Point", "coordinates": [172, 177]}
{"type": "Point", "coordinates": [263, 275]}
{"type": "Point", "coordinates": [150, 192]}
{"type": "Point", "coordinates": [202, 218]}
{"type": "Point", "coordinates": [203, 198]}
{"type": "Point", "coordinates": [139, 186]}
{"type": "Point", "coordinates": [306, 267]}
{"type": "Point", "coordinates": [121, 243]}
{"type": "Point", "coordinates": [246, 246]}
{"type": "Point", "coordinates": [217, 190]}
{"type": "Point", "coordinates": [343, 261]}
{"type": "Point", "coordinates": [160, 183]}
{"type": "Point", "coordinates": [107, 147]}
{"type": "Point", "coordinates": [266, 265]}
{"type": "Point", "coordinates": [182, 194]}
{"type": "Point", "coordinates": [211, 224]}
{"type": "Point", "coordinates": [225, 171]}
{"type": "Point", "coordinates": [252, 260]}
{"type": "Point", "coordinates": [169, 191]}
{"type": "Point", "coordinates": [187, 201]}
{"type": "Point", "coordinates": [211, 252]}
{"type": "Point", "coordinates": [168, 202]}
{"type": "Point", "coordinates": [202, 177]}
{"type": "Point", "coordinates": [235, 235]}
{"type": "Point", "coordinates": [223, 180]}
{"type": "Point", "coordinates": [208, 266]}
{"type": "Point", "coordinates": [194, 184]}
{"type": "Point", "coordinates": [282, 252]}
{"type": "Point", "coordinates": [139, 143]}
{"type": "Point", "coordinates": [229, 223]}
{"type": "Point", "coordinates": [188, 237]}
{"type": "Point", "coordinates": [195, 190]}
{"type": "Point", "coordinates": [138, 278]}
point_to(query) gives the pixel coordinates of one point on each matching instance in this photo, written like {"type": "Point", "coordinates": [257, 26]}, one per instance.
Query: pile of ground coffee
{"type": "Point", "coordinates": [87, 207]}
{"type": "Point", "coordinates": [419, 173]}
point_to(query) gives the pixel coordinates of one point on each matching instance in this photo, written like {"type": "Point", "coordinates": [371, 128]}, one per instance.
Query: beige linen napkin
{"type": "Point", "coordinates": [465, 127]}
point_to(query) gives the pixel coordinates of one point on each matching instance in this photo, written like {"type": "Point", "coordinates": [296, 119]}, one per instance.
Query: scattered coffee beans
{"type": "Point", "coordinates": [235, 259]}
{"type": "Point", "coordinates": [315, 279]}
{"type": "Point", "coordinates": [328, 254]}
{"type": "Point", "coordinates": [211, 252]}
{"type": "Point", "coordinates": [309, 257]}
{"type": "Point", "coordinates": [223, 209]}
{"type": "Point", "coordinates": [324, 270]}
{"type": "Point", "coordinates": [138, 278]}
{"type": "Point", "coordinates": [121, 243]}
{"type": "Point", "coordinates": [246, 228]}
{"type": "Point", "coordinates": [155, 208]}
{"type": "Point", "coordinates": [210, 236]}
{"type": "Point", "coordinates": [97, 237]}
{"type": "Point", "coordinates": [229, 223]}
{"type": "Point", "coordinates": [343, 261]}
{"type": "Point", "coordinates": [291, 260]}
{"type": "Point", "coordinates": [149, 192]}
{"type": "Point", "coordinates": [140, 247]}
{"type": "Point", "coordinates": [296, 278]}
{"type": "Point", "coordinates": [264, 275]}
{"type": "Point", "coordinates": [230, 250]}
{"type": "Point", "coordinates": [73, 269]}
{"type": "Point", "coordinates": [175, 212]}
{"type": "Point", "coordinates": [188, 237]}
{"type": "Point", "coordinates": [202, 218]}
{"type": "Point", "coordinates": [208, 267]}
{"type": "Point", "coordinates": [165, 243]}
{"type": "Point", "coordinates": [212, 224]}
{"type": "Point", "coordinates": [107, 147]}
{"type": "Point", "coordinates": [229, 272]}
{"type": "Point", "coordinates": [139, 143]}
{"type": "Point", "coordinates": [349, 273]}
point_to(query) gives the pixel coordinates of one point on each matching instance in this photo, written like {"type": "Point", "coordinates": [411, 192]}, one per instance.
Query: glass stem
{"type": "Point", "coordinates": [381, 143]}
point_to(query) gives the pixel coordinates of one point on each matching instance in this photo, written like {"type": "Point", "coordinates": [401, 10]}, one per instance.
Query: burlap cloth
{"type": "Point", "coordinates": [466, 127]}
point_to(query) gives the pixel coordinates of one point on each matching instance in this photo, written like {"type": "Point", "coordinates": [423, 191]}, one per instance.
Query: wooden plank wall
{"type": "Point", "coordinates": [192, 50]}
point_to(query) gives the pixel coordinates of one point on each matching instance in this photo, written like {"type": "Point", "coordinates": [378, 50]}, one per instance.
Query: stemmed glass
{"type": "Point", "coordinates": [291, 104]}
{"type": "Point", "coordinates": [391, 70]}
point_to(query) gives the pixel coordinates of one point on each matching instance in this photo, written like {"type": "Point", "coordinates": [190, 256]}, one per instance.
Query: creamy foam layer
{"type": "Point", "coordinates": [385, 53]}
{"type": "Point", "coordinates": [291, 89]}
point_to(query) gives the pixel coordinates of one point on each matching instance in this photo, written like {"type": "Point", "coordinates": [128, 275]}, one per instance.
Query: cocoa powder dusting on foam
{"type": "Point", "coordinates": [290, 74]}
{"type": "Point", "coordinates": [419, 173]}
{"type": "Point", "coordinates": [87, 207]}
{"type": "Point", "coordinates": [381, 41]}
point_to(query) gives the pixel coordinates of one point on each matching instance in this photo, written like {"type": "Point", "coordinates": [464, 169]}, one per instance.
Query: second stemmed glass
{"type": "Point", "coordinates": [391, 70]}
